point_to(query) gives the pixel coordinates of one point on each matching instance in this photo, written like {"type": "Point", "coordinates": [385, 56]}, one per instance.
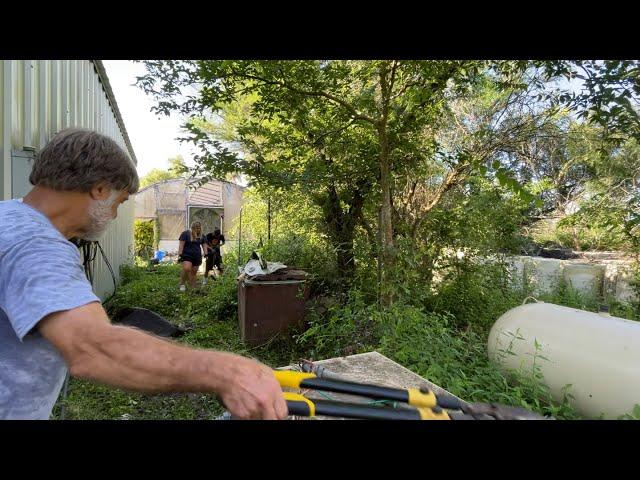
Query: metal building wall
{"type": "Point", "coordinates": [233, 201]}
{"type": "Point", "coordinates": [41, 97]}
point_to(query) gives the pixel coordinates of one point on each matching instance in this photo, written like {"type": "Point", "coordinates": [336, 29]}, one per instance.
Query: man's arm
{"type": "Point", "coordinates": [131, 359]}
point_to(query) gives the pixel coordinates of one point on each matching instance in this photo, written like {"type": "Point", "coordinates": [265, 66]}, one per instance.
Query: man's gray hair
{"type": "Point", "coordinates": [78, 159]}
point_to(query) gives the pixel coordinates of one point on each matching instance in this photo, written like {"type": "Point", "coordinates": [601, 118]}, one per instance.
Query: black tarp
{"type": "Point", "coordinates": [148, 321]}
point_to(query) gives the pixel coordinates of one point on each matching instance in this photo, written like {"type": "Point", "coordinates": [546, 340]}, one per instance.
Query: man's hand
{"type": "Point", "coordinates": [252, 391]}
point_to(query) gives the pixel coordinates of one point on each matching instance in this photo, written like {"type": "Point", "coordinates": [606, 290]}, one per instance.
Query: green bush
{"type": "Point", "coordinates": [144, 238]}
{"type": "Point", "coordinates": [475, 294]}
{"type": "Point", "coordinates": [431, 345]}
{"type": "Point", "coordinates": [294, 251]}
{"type": "Point", "coordinates": [352, 325]}
{"type": "Point", "coordinates": [564, 294]}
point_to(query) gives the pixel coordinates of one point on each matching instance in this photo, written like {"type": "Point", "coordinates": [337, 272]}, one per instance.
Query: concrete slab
{"type": "Point", "coordinates": [370, 367]}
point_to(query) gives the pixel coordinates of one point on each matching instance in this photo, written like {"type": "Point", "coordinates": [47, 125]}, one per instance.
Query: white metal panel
{"type": "Point", "coordinates": [32, 134]}
{"type": "Point", "coordinates": [64, 93]}
{"type": "Point", "coordinates": [73, 93]}
{"type": "Point", "coordinates": [16, 77]}
{"type": "Point", "coordinates": [28, 116]}
{"type": "Point", "coordinates": [80, 120]}
{"type": "Point", "coordinates": [42, 111]}
{"type": "Point", "coordinates": [97, 87]}
{"type": "Point", "coordinates": [101, 116]}
{"type": "Point", "coordinates": [85, 94]}
{"type": "Point", "coordinates": [17, 108]}
{"type": "Point", "coordinates": [110, 122]}
{"type": "Point", "coordinates": [92, 99]}
{"type": "Point", "coordinates": [54, 102]}
{"type": "Point", "coordinates": [45, 96]}
{"type": "Point", "coordinates": [40, 97]}
{"type": "Point", "coordinates": [5, 127]}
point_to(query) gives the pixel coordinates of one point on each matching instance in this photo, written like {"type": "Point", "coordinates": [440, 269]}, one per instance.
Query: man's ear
{"type": "Point", "coordinates": [100, 191]}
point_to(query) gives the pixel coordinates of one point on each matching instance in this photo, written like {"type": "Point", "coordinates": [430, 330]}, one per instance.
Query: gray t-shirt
{"type": "Point", "coordinates": [40, 273]}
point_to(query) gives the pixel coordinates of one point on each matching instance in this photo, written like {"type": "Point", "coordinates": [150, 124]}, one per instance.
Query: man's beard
{"type": "Point", "coordinates": [100, 217]}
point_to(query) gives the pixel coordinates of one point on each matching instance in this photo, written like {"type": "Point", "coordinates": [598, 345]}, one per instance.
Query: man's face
{"type": "Point", "coordinates": [103, 208]}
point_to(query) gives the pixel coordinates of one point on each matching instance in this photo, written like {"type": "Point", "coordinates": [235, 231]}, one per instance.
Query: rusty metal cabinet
{"type": "Point", "coordinates": [271, 304]}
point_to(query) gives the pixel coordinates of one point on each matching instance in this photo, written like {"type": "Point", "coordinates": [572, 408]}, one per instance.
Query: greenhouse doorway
{"type": "Point", "coordinates": [209, 217]}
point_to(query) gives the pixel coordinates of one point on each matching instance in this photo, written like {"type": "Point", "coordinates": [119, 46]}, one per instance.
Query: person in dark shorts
{"type": "Point", "coordinates": [190, 254]}
{"type": "Point", "coordinates": [213, 242]}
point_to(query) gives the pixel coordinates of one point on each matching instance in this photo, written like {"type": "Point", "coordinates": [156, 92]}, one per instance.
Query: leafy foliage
{"type": "Point", "coordinates": [144, 237]}
{"type": "Point", "coordinates": [401, 186]}
{"type": "Point", "coordinates": [176, 169]}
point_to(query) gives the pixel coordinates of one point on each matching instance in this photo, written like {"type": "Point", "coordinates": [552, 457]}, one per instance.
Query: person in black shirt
{"type": "Point", "coordinates": [190, 254]}
{"type": "Point", "coordinates": [213, 241]}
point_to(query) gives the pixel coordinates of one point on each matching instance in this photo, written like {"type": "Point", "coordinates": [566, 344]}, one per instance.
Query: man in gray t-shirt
{"type": "Point", "coordinates": [50, 319]}
{"type": "Point", "coordinates": [40, 273]}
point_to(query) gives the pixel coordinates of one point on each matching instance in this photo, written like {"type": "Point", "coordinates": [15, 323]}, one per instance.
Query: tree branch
{"type": "Point", "coordinates": [453, 178]}
{"type": "Point", "coordinates": [311, 93]}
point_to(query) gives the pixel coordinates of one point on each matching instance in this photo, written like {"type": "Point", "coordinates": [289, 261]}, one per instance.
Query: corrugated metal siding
{"type": "Point", "coordinates": [40, 97]}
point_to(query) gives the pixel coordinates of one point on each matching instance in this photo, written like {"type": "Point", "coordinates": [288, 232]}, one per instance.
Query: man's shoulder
{"type": "Point", "coordinates": [10, 205]}
{"type": "Point", "coordinates": [22, 223]}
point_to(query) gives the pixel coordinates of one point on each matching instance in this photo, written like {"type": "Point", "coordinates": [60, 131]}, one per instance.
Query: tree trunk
{"type": "Point", "coordinates": [341, 230]}
{"type": "Point", "coordinates": [387, 252]}
{"type": "Point", "coordinates": [386, 221]}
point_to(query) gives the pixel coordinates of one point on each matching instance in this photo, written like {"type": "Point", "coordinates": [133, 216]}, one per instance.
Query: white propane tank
{"type": "Point", "coordinates": [599, 355]}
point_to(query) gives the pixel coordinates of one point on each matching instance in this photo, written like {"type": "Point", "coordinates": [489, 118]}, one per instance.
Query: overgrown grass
{"type": "Point", "coordinates": [433, 346]}
{"type": "Point", "coordinates": [210, 315]}
{"type": "Point", "coordinates": [440, 335]}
